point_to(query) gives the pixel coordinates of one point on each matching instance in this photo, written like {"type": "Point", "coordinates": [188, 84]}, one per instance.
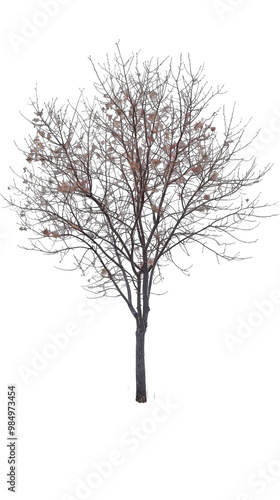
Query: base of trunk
{"type": "Point", "coordinates": [141, 395]}
{"type": "Point", "coordinates": [142, 399]}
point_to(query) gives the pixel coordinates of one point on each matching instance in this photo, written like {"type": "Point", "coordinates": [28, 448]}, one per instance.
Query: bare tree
{"type": "Point", "coordinates": [123, 180]}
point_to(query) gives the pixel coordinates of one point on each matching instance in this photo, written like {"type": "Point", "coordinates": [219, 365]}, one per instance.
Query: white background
{"type": "Point", "coordinates": [224, 431]}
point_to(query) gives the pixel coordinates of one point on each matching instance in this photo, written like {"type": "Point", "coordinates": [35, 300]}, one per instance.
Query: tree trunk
{"type": "Point", "coordinates": [141, 396]}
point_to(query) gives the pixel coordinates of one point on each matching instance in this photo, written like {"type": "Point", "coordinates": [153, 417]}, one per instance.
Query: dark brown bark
{"type": "Point", "coordinates": [141, 394]}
